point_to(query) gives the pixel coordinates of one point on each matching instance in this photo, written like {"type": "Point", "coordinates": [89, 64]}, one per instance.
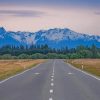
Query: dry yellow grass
{"type": "Point", "coordinates": [11, 67]}
{"type": "Point", "coordinates": [90, 65]}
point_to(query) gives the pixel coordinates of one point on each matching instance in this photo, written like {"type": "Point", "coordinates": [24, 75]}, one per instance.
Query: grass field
{"type": "Point", "coordinates": [12, 67]}
{"type": "Point", "coordinates": [90, 65]}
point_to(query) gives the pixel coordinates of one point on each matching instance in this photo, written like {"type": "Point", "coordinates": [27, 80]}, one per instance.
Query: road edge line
{"type": "Point", "coordinates": [86, 73]}
{"type": "Point", "coordinates": [19, 74]}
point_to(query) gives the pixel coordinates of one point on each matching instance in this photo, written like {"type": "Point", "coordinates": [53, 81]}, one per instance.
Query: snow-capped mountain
{"type": "Point", "coordinates": [55, 38]}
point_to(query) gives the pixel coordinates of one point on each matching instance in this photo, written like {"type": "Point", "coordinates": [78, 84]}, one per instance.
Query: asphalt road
{"type": "Point", "coordinates": [52, 80]}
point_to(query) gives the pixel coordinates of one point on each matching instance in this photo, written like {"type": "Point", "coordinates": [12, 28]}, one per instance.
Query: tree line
{"type": "Point", "coordinates": [45, 52]}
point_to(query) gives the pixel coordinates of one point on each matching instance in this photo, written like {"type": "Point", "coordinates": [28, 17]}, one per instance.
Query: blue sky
{"type": "Point", "coordinates": [88, 3]}
{"type": "Point", "coordinates": [32, 15]}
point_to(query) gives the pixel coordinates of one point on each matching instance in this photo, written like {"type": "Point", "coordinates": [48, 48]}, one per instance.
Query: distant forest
{"type": "Point", "coordinates": [45, 52]}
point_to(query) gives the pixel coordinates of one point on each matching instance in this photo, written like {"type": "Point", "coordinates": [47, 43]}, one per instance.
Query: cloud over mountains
{"type": "Point", "coordinates": [21, 13]}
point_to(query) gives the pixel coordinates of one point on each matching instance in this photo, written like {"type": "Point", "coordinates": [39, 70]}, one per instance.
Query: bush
{"type": "Point", "coordinates": [6, 56]}
{"type": "Point", "coordinates": [23, 56]}
{"type": "Point", "coordinates": [37, 56]}
{"type": "Point", "coordinates": [52, 55]}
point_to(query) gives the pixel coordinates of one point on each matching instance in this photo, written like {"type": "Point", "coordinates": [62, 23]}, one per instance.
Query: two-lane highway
{"type": "Point", "coordinates": [52, 80]}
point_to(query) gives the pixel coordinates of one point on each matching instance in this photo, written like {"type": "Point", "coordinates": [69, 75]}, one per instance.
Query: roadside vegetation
{"type": "Point", "coordinates": [90, 65]}
{"type": "Point", "coordinates": [45, 52]}
{"type": "Point", "coordinates": [12, 67]}
{"type": "Point", "coordinates": [13, 59]}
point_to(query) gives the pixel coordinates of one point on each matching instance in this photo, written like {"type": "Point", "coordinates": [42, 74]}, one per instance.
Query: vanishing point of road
{"type": "Point", "coordinates": [52, 80]}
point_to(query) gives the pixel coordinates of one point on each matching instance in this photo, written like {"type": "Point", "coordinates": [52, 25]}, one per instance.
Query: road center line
{"type": "Point", "coordinates": [51, 91]}
{"type": "Point", "coordinates": [53, 66]}
{"type": "Point", "coordinates": [52, 76]}
{"type": "Point", "coordinates": [52, 84]}
{"type": "Point", "coordinates": [50, 99]}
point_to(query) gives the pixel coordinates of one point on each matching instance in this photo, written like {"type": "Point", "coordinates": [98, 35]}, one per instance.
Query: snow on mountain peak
{"type": "Point", "coordinates": [57, 35]}
{"type": "Point", "coordinates": [25, 37]}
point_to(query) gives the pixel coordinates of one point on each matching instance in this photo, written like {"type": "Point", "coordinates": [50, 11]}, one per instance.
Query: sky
{"type": "Point", "coordinates": [82, 16]}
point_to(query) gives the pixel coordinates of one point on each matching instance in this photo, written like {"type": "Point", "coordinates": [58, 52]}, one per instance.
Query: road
{"type": "Point", "coordinates": [52, 80]}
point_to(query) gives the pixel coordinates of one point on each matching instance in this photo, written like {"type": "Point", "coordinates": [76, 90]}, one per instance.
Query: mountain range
{"type": "Point", "coordinates": [54, 38]}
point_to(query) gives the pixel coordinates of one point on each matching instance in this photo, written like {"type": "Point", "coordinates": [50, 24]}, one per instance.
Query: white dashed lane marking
{"type": "Point", "coordinates": [52, 76]}
{"type": "Point", "coordinates": [70, 73]}
{"type": "Point", "coordinates": [52, 84]}
{"type": "Point", "coordinates": [51, 91]}
{"type": "Point", "coordinates": [36, 73]}
{"type": "Point", "coordinates": [50, 99]}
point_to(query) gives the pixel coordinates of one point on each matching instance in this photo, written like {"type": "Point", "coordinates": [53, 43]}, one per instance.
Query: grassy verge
{"type": "Point", "coordinates": [12, 67]}
{"type": "Point", "coordinates": [90, 65]}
